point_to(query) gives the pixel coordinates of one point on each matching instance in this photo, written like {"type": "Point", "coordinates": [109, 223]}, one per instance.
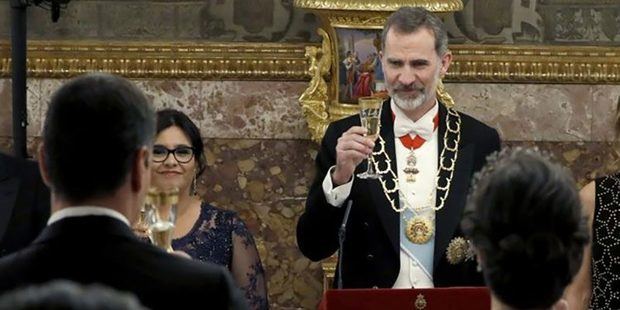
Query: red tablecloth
{"type": "Point", "coordinates": [461, 298]}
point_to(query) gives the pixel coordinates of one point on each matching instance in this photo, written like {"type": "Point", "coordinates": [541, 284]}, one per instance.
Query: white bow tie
{"type": "Point", "coordinates": [423, 127]}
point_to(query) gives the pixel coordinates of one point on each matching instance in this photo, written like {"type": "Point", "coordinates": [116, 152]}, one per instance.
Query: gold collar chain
{"type": "Point", "coordinates": [447, 147]}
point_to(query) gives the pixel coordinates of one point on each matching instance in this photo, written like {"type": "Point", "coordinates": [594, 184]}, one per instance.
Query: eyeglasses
{"type": "Point", "coordinates": [182, 154]}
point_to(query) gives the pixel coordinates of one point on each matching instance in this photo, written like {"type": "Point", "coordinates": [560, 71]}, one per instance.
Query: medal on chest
{"type": "Point", "coordinates": [411, 170]}
{"type": "Point", "coordinates": [419, 229]}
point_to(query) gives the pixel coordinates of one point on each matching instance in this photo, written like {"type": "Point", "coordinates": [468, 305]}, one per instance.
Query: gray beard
{"type": "Point", "coordinates": [410, 104]}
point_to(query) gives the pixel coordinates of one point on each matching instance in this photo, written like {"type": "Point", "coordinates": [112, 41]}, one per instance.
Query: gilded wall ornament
{"type": "Point", "coordinates": [172, 60]}
{"type": "Point", "coordinates": [314, 99]}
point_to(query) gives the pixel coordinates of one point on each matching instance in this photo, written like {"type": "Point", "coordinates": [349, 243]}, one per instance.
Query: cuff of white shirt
{"type": "Point", "coordinates": [336, 196]}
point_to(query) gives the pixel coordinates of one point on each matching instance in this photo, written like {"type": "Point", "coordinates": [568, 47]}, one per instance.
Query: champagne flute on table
{"type": "Point", "coordinates": [163, 219]}
{"type": "Point", "coordinates": [370, 116]}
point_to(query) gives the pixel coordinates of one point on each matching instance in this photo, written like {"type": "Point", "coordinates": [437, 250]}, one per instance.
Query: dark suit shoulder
{"type": "Point", "coordinates": [126, 264]}
{"type": "Point", "coordinates": [9, 165]}
{"type": "Point", "coordinates": [18, 167]}
{"type": "Point", "coordinates": [27, 206]}
{"type": "Point", "coordinates": [201, 278]}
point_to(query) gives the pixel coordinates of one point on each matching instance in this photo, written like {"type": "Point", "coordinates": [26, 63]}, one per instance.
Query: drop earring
{"type": "Point", "coordinates": [194, 189]}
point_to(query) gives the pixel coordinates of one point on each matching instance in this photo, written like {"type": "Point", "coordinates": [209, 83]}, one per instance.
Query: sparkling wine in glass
{"type": "Point", "coordinates": [161, 235]}
{"type": "Point", "coordinates": [147, 212]}
{"type": "Point", "coordinates": [370, 116]}
{"type": "Point", "coordinates": [163, 219]}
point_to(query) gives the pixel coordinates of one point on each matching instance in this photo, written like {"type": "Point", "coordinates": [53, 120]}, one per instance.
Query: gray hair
{"type": "Point", "coordinates": [64, 294]}
{"type": "Point", "coordinates": [409, 19]}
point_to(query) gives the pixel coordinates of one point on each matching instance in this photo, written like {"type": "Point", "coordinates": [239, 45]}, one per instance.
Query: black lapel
{"type": "Point", "coordinates": [9, 186]}
{"type": "Point", "coordinates": [388, 217]}
{"type": "Point", "coordinates": [448, 218]}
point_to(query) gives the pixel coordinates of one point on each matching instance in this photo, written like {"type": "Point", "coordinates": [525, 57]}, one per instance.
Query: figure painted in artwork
{"type": "Point", "coordinates": [365, 83]}
{"type": "Point", "coordinates": [350, 63]}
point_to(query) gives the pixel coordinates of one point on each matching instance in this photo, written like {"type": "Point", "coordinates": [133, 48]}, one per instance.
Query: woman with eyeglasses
{"type": "Point", "coordinates": [203, 231]}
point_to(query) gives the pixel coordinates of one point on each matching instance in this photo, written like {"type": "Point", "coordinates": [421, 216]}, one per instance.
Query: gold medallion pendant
{"type": "Point", "coordinates": [419, 230]}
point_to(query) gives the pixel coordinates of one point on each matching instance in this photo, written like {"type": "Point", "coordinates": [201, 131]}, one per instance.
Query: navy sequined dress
{"type": "Point", "coordinates": [220, 236]}
{"type": "Point", "coordinates": [605, 245]}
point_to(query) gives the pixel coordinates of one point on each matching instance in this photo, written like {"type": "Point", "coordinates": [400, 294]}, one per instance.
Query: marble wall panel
{"type": "Point", "coordinates": [34, 107]}
{"type": "Point", "coordinates": [46, 90]}
{"type": "Point", "coordinates": [185, 96]}
{"type": "Point", "coordinates": [255, 110]}
{"type": "Point", "coordinates": [265, 110]}
{"type": "Point", "coordinates": [605, 102]}
{"type": "Point", "coordinates": [586, 161]}
{"type": "Point", "coordinates": [529, 112]}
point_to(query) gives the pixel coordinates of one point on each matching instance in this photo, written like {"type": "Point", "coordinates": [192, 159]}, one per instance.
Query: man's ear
{"type": "Point", "coordinates": [141, 167]}
{"type": "Point", "coordinates": [446, 60]}
{"type": "Point", "coordinates": [42, 165]}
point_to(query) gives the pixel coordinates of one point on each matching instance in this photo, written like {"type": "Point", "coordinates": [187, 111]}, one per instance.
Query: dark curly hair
{"type": "Point", "coordinates": [524, 217]}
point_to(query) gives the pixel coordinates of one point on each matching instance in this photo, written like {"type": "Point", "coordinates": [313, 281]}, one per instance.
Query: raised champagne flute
{"type": "Point", "coordinates": [147, 212]}
{"type": "Point", "coordinates": [163, 219]}
{"type": "Point", "coordinates": [370, 116]}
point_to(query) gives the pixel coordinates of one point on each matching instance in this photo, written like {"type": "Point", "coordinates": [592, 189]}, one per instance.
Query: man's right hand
{"type": "Point", "coordinates": [352, 148]}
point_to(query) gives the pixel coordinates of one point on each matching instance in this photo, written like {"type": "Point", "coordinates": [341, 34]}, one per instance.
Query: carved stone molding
{"type": "Point", "coordinates": [179, 60]}
{"type": "Point", "coordinates": [264, 61]}
{"type": "Point", "coordinates": [535, 64]}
